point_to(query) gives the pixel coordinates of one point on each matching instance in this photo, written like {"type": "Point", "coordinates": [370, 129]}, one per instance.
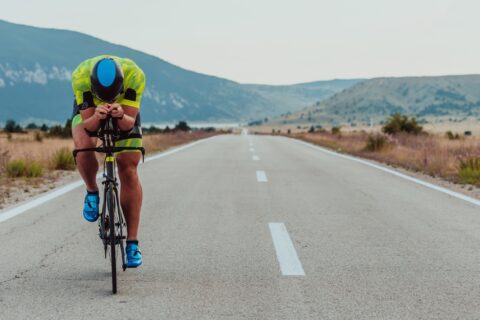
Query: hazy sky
{"type": "Point", "coordinates": [279, 41]}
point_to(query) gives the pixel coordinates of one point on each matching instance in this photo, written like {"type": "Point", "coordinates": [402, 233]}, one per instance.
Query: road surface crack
{"type": "Point", "coordinates": [41, 264]}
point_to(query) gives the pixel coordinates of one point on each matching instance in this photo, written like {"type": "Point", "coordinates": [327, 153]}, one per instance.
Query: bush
{"type": "Point", "coordinates": [311, 130]}
{"type": "Point", "coordinates": [61, 132]}
{"type": "Point", "coordinates": [63, 160]}
{"type": "Point", "coordinates": [12, 126]}
{"type": "Point", "coordinates": [16, 168]}
{"type": "Point", "coordinates": [376, 142]}
{"type": "Point", "coordinates": [335, 130]}
{"type": "Point", "coordinates": [182, 126]}
{"type": "Point", "coordinates": [451, 136]}
{"type": "Point", "coordinates": [34, 169]}
{"type": "Point", "coordinates": [4, 159]}
{"type": "Point", "coordinates": [38, 137]}
{"type": "Point", "coordinates": [400, 123]}
{"type": "Point", "coordinates": [22, 168]}
{"type": "Point", "coordinates": [470, 171]}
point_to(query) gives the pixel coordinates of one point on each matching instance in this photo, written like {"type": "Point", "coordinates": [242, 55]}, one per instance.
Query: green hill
{"type": "Point", "coordinates": [375, 99]}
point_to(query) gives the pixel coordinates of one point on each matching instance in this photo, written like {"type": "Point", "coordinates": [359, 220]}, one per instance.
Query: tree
{"type": "Point", "coordinates": [31, 126]}
{"type": "Point", "coordinates": [400, 123]}
{"type": "Point", "coordinates": [12, 126]}
{"type": "Point", "coordinates": [182, 126]}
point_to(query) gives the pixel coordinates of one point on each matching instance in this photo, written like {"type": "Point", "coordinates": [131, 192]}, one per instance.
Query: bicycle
{"type": "Point", "coordinates": [113, 235]}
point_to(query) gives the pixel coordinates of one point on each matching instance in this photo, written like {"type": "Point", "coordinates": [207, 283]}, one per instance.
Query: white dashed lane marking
{"type": "Point", "coordinates": [287, 257]}
{"type": "Point", "coordinates": [261, 176]}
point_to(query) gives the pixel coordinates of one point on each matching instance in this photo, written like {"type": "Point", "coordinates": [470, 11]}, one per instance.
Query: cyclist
{"type": "Point", "coordinates": [101, 85]}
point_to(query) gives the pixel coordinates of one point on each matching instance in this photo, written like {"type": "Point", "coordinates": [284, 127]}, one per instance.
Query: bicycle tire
{"type": "Point", "coordinates": [111, 212]}
{"type": "Point", "coordinates": [120, 234]}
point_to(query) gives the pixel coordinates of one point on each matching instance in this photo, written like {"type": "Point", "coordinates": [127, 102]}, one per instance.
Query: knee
{"type": "Point", "coordinates": [81, 139]}
{"type": "Point", "coordinates": [127, 170]}
{"type": "Point", "coordinates": [128, 174]}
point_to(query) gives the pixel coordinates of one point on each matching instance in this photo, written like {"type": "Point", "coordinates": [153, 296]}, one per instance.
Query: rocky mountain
{"type": "Point", "coordinates": [36, 65]}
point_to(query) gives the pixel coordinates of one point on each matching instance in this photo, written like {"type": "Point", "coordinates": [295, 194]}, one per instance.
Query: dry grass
{"type": "Point", "coordinates": [431, 154]}
{"type": "Point", "coordinates": [24, 146]}
{"type": "Point", "coordinates": [28, 148]}
{"type": "Point", "coordinates": [160, 142]}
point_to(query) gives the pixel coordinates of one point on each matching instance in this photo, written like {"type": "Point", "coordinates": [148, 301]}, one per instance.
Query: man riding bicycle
{"type": "Point", "coordinates": [110, 85]}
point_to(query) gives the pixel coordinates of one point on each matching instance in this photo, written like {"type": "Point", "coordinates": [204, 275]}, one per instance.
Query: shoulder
{"type": "Point", "coordinates": [134, 77]}
{"type": "Point", "coordinates": [81, 74]}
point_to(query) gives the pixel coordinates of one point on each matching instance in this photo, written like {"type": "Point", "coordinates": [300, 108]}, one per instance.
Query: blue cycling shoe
{"type": "Point", "coordinates": [90, 207]}
{"type": "Point", "coordinates": [134, 256]}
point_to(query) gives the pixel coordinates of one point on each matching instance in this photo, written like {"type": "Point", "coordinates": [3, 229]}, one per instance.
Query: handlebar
{"type": "Point", "coordinates": [108, 150]}
{"type": "Point", "coordinates": [105, 129]}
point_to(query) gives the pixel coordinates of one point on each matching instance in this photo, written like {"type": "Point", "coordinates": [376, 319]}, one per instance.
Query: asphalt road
{"type": "Point", "coordinates": [253, 227]}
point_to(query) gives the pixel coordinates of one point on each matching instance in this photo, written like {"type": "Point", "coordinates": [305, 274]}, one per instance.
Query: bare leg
{"type": "Point", "coordinates": [87, 164]}
{"type": "Point", "coordinates": [130, 191]}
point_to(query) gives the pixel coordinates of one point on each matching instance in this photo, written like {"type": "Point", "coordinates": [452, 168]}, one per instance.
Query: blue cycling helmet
{"type": "Point", "coordinates": [107, 80]}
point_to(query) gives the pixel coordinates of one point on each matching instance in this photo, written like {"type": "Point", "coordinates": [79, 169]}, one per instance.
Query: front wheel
{"type": "Point", "coordinates": [111, 212]}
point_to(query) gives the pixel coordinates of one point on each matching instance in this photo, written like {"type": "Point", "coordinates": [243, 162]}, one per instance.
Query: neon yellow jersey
{"type": "Point", "coordinates": [133, 83]}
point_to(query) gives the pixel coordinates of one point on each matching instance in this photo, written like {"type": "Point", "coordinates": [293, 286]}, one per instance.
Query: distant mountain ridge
{"type": "Point", "coordinates": [375, 99]}
{"type": "Point", "coordinates": [36, 65]}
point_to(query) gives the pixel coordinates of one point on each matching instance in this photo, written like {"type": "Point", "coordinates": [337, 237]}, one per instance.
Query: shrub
{"type": "Point", "coordinates": [4, 159]}
{"type": "Point", "coordinates": [451, 136]}
{"type": "Point", "coordinates": [182, 126]}
{"type": "Point", "coordinates": [400, 123]}
{"type": "Point", "coordinates": [22, 168]}
{"type": "Point", "coordinates": [311, 130]}
{"type": "Point", "coordinates": [376, 142]}
{"type": "Point", "coordinates": [63, 160]}
{"type": "Point", "coordinates": [34, 169]}
{"type": "Point", "coordinates": [335, 130]}
{"type": "Point", "coordinates": [61, 132]}
{"type": "Point", "coordinates": [38, 137]}
{"type": "Point", "coordinates": [470, 171]}
{"type": "Point", "coordinates": [12, 126]}
{"type": "Point", "coordinates": [16, 168]}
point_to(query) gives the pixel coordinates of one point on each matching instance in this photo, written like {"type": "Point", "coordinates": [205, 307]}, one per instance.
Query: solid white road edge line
{"type": "Point", "coordinates": [395, 173]}
{"type": "Point", "coordinates": [255, 158]}
{"type": "Point", "coordinates": [287, 257]}
{"type": "Point", "coordinates": [30, 204]}
{"type": "Point", "coordinates": [262, 176]}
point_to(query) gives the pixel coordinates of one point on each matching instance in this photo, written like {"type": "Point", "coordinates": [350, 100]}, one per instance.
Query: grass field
{"type": "Point", "coordinates": [455, 160]}
{"type": "Point", "coordinates": [33, 162]}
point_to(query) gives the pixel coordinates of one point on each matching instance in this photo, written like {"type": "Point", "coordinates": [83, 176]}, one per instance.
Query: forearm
{"type": "Point", "coordinates": [127, 123]}
{"type": "Point", "coordinates": [92, 123]}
